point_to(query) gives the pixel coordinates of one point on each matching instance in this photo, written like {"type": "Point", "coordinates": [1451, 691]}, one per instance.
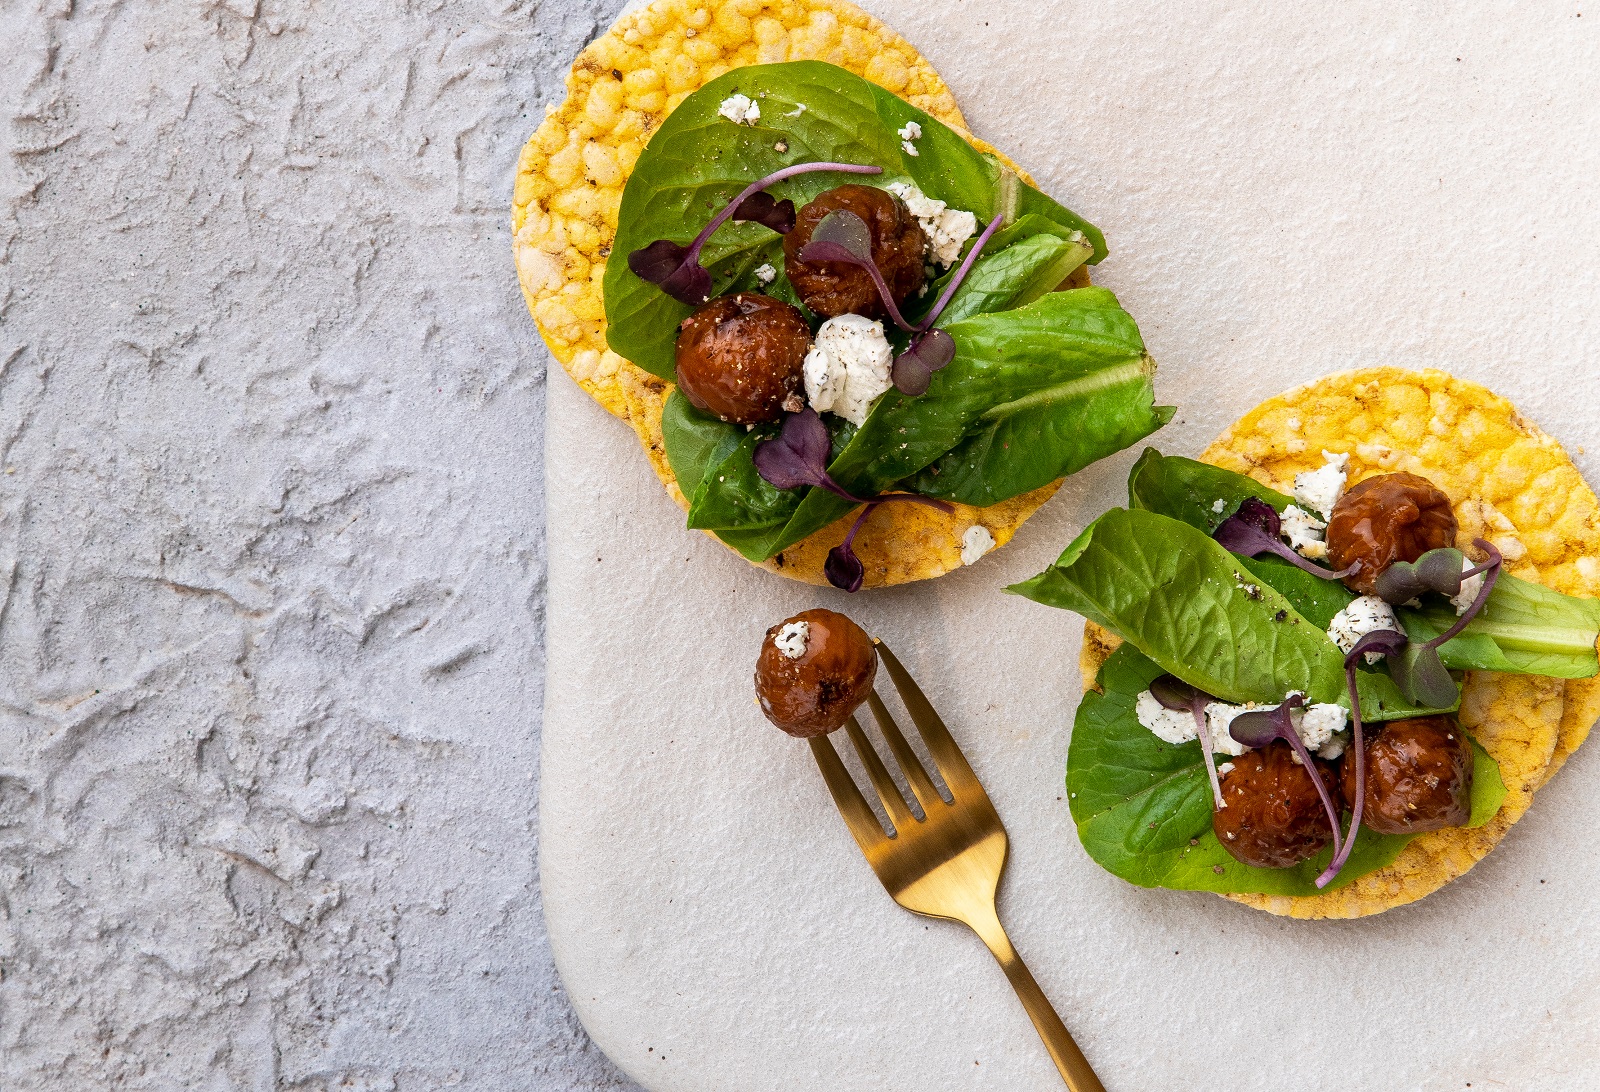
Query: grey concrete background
{"type": "Point", "coordinates": [271, 548]}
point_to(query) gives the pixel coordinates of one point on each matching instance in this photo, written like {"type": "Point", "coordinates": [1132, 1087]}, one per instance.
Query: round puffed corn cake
{"type": "Point", "coordinates": [564, 216]}
{"type": "Point", "coordinates": [1510, 484]}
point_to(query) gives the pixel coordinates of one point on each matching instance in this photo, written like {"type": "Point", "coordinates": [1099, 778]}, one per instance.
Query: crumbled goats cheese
{"type": "Point", "coordinates": [1218, 716]}
{"type": "Point", "coordinates": [1364, 615]}
{"type": "Point", "coordinates": [740, 109]}
{"type": "Point", "coordinates": [766, 274]}
{"type": "Point", "coordinates": [911, 132]}
{"type": "Point", "coordinates": [792, 639]}
{"type": "Point", "coordinates": [1304, 532]}
{"type": "Point", "coordinates": [1218, 505]}
{"type": "Point", "coordinates": [976, 542]}
{"type": "Point", "coordinates": [1320, 489]}
{"type": "Point", "coordinates": [1332, 749]}
{"type": "Point", "coordinates": [947, 229]}
{"type": "Point", "coordinates": [1171, 725]}
{"type": "Point", "coordinates": [848, 367]}
{"type": "Point", "coordinates": [1470, 587]}
{"type": "Point", "coordinates": [1316, 725]}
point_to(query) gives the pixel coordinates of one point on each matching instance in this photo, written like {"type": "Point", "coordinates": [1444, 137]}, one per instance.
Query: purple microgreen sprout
{"type": "Point", "coordinates": [961, 271]}
{"type": "Point", "coordinates": [1175, 694]}
{"type": "Point", "coordinates": [1255, 529]}
{"type": "Point", "coordinates": [1418, 670]}
{"type": "Point", "coordinates": [1384, 642]}
{"type": "Point", "coordinates": [843, 568]}
{"type": "Point", "coordinates": [842, 236]}
{"type": "Point", "coordinates": [762, 208]}
{"type": "Point", "coordinates": [676, 268]}
{"type": "Point", "coordinates": [1260, 727]}
{"type": "Point", "coordinates": [928, 352]}
{"type": "Point", "coordinates": [799, 456]}
{"type": "Point", "coordinates": [1437, 570]}
{"type": "Point", "coordinates": [1491, 570]}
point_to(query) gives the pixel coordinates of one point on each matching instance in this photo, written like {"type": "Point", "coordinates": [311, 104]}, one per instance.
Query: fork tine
{"type": "Point", "coordinates": [910, 764]}
{"type": "Point", "coordinates": [895, 804]}
{"type": "Point", "coordinates": [946, 755]}
{"type": "Point", "coordinates": [858, 815]}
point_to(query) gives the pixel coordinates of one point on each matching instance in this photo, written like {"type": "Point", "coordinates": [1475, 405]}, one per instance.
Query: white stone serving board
{"type": "Point", "coordinates": [1287, 191]}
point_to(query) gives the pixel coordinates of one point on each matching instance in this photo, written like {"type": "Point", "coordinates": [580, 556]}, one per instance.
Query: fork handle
{"type": "Point", "coordinates": [1074, 1067]}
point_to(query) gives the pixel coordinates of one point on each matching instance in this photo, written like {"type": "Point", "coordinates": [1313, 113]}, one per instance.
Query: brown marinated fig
{"type": "Point", "coordinates": [838, 288]}
{"type": "Point", "coordinates": [1419, 776]}
{"type": "Point", "coordinates": [1274, 817]}
{"type": "Point", "coordinates": [741, 357]}
{"type": "Point", "coordinates": [814, 669]}
{"type": "Point", "coordinates": [1389, 518]}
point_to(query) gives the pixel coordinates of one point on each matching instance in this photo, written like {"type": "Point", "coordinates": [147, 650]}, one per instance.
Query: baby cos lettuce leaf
{"type": "Point", "coordinates": [1032, 394]}
{"type": "Point", "coordinates": [1143, 806]}
{"type": "Point", "coordinates": [1525, 628]}
{"type": "Point", "coordinates": [811, 112]}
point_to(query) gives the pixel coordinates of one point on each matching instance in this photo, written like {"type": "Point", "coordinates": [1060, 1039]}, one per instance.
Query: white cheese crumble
{"type": "Point", "coordinates": [911, 131]}
{"type": "Point", "coordinates": [1364, 615]}
{"type": "Point", "coordinates": [1304, 532]}
{"type": "Point", "coordinates": [1320, 489]}
{"type": "Point", "coordinates": [909, 148]}
{"type": "Point", "coordinates": [848, 367]}
{"type": "Point", "coordinates": [793, 638]}
{"type": "Point", "coordinates": [1218, 505]}
{"type": "Point", "coordinates": [1470, 587]}
{"type": "Point", "coordinates": [766, 274]}
{"type": "Point", "coordinates": [947, 229]}
{"type": "Point", "coordinates": [1218, 716]}
{"type": "Point", "coordinates": [1316, 724]}
{"type": "Point", "coordinates": [740, 109]}
{"type": "Point", "coordinates": [1225, 769]}
{"type": "Point", "coordinates": [976, 542]}
{"type": "Point", "coordinates": [1170, 725]}
{"type": "Point", "coordinates": [1332, 749]}
{"type": "Point", "coordinates": [799, 109]}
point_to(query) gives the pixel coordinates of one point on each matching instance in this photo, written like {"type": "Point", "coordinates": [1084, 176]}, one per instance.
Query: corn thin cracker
{"type": "Point", "coordinates": [1513, 485]}
{"type": "Point", "coordinates": [569, 186]}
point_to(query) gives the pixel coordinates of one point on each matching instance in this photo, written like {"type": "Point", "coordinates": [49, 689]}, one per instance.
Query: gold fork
{"type": "Point", "coordinates": [947, 864]}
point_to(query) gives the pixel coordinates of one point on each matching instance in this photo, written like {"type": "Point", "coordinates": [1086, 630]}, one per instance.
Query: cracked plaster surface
{"type": "Point", "coordinates": [272, 548]}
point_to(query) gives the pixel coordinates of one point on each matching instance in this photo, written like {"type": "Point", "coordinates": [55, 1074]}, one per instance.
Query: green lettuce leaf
{"type": "Point", "coordinates": [1143, 806]}
{"type": "Point", "coordinates": [1186, 603]}
{"type": "Point", "coordinates": [1524, 628]}
{"type": "Point", "coordinates": [698, 161]}
{"type": "Point", "coordinates": [1073, 357]}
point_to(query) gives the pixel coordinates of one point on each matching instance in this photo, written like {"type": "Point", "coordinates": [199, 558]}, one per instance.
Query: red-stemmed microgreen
{"type": "Point", "coordinates": [1260, 727]}
{"type": "Point", "coordinates": [1418, 670]}
{"type": "Point", "coordinates": [842, 236]}
{"type": "Point", "coordinates": [799, 456]}
{"type": "Point", "coordinates": [1255, 529]}
{"type": "Point", "coordinates": [676, 268]}
{"type": "Point", "coordinates": [1175, 694]}
{"type": "Point", "coordinates": [1383, 642]}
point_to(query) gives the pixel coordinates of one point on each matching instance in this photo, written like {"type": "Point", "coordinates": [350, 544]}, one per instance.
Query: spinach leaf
{"type": "Point", "coordinates": [1524, 627]}
{"type": "Point", "coordinates": [698, 161]}
{"type": "Point", "coordinates": [1186, 603]}
{"type": "Point", "coordinates": [1143, 806]}
{"type": "Point", "coordinates": [1063, 381]}
{"type": "Point", "coordinates": [694, 440]}
{"type": "Point", "coordinates": [1190, 491]}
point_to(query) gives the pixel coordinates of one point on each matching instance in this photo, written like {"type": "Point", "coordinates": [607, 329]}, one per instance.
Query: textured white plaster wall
{"type": "Point", "coordinates": [271, 548]}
